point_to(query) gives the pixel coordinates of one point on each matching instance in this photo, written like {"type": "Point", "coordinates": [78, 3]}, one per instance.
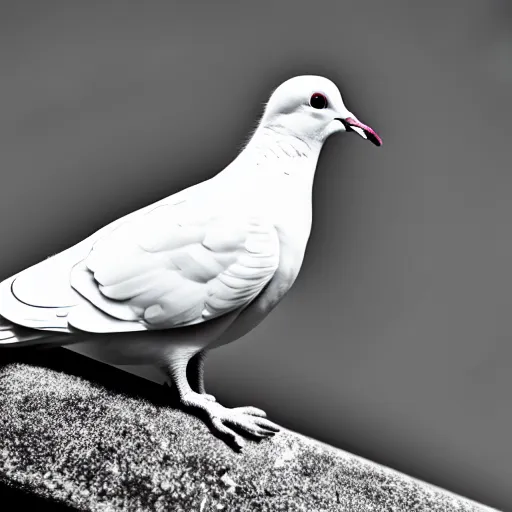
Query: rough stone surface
{"type": "Point", "coordinates": [87, 445]}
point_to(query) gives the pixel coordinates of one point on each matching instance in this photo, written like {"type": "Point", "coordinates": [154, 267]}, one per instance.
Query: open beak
{"type": "Point", "coordinates": [352, 124]}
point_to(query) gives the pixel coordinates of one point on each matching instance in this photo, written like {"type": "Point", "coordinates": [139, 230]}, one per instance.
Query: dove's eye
{"type": "Point", "coordinates": [318, 100]}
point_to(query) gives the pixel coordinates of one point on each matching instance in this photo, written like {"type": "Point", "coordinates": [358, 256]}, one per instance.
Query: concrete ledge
{"type": "Point", "coordinates": [86, 436]}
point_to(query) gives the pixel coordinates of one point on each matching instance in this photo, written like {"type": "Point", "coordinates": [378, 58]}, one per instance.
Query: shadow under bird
{"type": "Point", "coordinates": [195, 270]}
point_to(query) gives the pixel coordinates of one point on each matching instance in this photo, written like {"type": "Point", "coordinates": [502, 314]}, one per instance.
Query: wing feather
{"type": "Point", "coordinates": [167, 265]}
{"type": "Point", "coordinates": [164, 271]}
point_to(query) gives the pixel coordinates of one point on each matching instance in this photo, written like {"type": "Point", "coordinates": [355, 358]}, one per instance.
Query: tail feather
{"type": "Point", "coordinates": [14, 334]}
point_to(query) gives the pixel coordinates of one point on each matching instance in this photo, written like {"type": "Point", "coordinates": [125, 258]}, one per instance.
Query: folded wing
{"type": "Point", "coordinates": [167, 269]}
{"type": "Point", "coordinates": [169, 264]}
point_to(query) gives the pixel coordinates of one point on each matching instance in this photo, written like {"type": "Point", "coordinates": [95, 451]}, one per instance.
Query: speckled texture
{"type": "Point", "coordinates": [93, 448]}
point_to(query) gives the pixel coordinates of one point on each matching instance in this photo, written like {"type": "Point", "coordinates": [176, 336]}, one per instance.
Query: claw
{"type": "Point", "coordinates": [267, 424]}
{"type": "Point", "coordinates": [250, 419]}
{"type": "Point", "coordinates": [223, 429]}
{"type": "Point", "coordinates": [267, 431]}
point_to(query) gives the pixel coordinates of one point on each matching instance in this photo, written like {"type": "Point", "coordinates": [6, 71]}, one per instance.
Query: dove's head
{"type": "Point", "coordinates": [311, 108]}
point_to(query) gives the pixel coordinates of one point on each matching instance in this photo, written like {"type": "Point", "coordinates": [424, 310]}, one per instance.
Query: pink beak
{"type": "Point", "coordinates": [364, 131]}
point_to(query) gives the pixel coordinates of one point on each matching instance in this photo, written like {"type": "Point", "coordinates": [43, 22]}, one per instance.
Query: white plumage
{"type": "Point", "coordinates": [197, 269]}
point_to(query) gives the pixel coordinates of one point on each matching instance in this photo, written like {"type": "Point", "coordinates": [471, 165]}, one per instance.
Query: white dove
{"type": "Point", "coordinates": [196, 270]}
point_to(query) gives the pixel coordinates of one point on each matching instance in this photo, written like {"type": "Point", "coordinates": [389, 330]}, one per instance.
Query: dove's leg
{"type": "Point", "coordinates": [250, 419]}
{"type": "Point", "coordinates": [195, 372]}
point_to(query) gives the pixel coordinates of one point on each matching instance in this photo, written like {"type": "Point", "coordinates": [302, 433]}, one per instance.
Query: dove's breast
{"type": "Point", "coordinates": [293, 239]}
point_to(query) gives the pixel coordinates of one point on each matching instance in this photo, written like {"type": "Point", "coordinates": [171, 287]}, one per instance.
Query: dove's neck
{"type": "Point", "coordinates": [277, 158]}
{"type": "Point", "coordinates": [273, 143]}
{"type": "Point", "coordinates": [276, 170]}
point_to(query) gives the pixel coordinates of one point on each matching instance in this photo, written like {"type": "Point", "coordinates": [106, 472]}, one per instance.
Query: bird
{"type": "Point", "coordinates": [198, 269]}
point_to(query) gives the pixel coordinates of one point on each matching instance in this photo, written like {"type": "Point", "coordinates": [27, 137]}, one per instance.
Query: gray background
{"type": "Point", "coordinates": [396, 341]}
